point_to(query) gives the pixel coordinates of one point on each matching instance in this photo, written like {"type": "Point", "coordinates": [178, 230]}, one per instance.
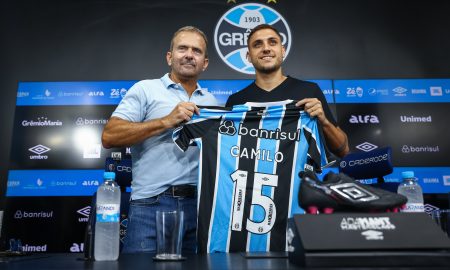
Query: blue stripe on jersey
{"type": "Point", "coordinates": [258, 242]}
{"type": "Point", "coordinates": [310, 124]}
{"type": "Point", "coordinates": [218, 239]}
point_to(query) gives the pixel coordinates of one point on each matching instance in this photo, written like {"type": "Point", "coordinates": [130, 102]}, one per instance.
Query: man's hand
{"type": "Point", "coordinates": [314, 108]}
{"type": "Point", "coordinates": [182, 113]}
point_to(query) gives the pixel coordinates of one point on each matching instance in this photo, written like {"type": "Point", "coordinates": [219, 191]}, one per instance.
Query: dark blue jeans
{"type": "Point", "coordinates": [141, 228]}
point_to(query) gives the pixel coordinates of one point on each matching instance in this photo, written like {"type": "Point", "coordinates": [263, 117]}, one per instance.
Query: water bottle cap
{"type": "Point", "coordinates": [109, 175]}
{"type": "Point", "coordinates": [408, 174]}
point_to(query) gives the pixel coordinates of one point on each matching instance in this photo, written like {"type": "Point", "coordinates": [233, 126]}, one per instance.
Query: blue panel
{"type": "Point", "coordinates": [431, 179]}
{"type": "Point", "coordinates": [392, 91]}
{"type": "Point", "coordinates": [53, 182]}
{"type": "Point", "coordinates": [71, 93]}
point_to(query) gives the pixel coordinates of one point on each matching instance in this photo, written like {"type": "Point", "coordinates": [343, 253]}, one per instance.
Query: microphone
{"type": "Point", "coordinates": [364, 165]}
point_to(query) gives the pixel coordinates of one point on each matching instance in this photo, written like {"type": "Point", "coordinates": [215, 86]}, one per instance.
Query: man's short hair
{"type": "Point", "coordinates": [261, 27]}
{"type": "Point", "coordinates": [190, 29]}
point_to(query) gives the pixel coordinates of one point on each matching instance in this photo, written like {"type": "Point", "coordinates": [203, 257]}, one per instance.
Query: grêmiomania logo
{"type": "Point", "coordinates": [233, 28]}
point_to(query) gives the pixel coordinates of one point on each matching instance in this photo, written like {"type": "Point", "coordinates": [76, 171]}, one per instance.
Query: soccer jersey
{"type": "Point", "coordinates": [249, 163]}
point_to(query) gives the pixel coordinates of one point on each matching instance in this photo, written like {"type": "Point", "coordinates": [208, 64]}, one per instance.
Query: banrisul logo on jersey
{"type": "Point", "coordinates": [233, 28]}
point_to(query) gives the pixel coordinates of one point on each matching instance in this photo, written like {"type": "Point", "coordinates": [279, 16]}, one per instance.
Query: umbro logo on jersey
{"type": "Point", "coordinates": [354, 193]}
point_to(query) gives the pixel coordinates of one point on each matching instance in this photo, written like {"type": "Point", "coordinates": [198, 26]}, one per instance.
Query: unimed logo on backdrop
{"type": "Point", "coordinates": [32, 248]}
{"type": "Point", "coordinates": [233, 28]}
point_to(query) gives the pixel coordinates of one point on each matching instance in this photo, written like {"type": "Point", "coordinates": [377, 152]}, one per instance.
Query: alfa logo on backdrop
{"type": "Point", "coordinates": [231, 32]}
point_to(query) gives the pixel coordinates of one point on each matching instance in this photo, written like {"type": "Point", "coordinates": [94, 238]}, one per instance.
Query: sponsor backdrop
{"type": "Point", "coordinates": [57, 153]}
{"type": "Point", "coordinates": [56, 159]}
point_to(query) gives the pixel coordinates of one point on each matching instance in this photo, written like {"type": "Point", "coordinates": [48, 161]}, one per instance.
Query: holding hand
{"type": "Point", "coordinates": [182, 113]}
{"type": "Point", "coordinates": [314, 108]}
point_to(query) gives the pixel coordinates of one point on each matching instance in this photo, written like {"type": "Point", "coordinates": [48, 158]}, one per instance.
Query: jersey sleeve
{"type": "Point", "coordinates": [187, 134]}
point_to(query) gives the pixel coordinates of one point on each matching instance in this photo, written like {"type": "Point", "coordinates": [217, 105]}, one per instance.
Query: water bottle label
{"type": "Point", "coordinates": [108, 212]}
{"type": "Point", "coordinates": [414, 207]}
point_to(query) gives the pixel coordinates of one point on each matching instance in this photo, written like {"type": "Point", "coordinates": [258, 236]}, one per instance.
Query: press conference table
{"type": "Point", "coordinates": [230, 261]}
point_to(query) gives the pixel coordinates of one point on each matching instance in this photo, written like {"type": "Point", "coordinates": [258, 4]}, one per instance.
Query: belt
{"type": "Point", "coordinates": [181, 191]}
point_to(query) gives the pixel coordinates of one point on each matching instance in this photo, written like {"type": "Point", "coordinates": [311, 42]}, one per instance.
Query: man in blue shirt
{"type": "Point", "coordinates": [164, 178]}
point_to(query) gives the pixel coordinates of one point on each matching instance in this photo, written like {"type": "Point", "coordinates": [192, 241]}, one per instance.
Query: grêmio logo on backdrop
{"type": "Point", "coordinates": [233, 28]}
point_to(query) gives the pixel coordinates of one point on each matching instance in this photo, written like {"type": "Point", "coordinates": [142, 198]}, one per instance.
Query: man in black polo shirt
{"type": "Point", "coordinates": [266, 53]}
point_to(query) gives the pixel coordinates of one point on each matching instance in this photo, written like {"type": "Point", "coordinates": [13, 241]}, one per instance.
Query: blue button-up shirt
{"type": "Point", "coordinates": [157, 162]}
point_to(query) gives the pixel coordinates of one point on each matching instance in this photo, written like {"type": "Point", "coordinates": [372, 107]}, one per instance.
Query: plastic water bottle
{"type": "Point", "coordinates": [106, 243]}
{"type": "Point", "coordinates": [411, 190]}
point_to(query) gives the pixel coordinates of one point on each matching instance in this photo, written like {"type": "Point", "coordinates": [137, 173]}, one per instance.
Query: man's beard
{"type": "Point", "coordinates": [268, 70]}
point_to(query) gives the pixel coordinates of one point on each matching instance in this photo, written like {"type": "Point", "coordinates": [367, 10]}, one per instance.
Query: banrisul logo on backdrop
{"type": "Point", "coordinates": [233, 28]}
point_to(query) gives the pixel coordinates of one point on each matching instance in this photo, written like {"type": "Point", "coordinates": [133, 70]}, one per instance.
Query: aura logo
{"type": "Point", "coordinates": [227, 128]}
{"type": "Point", "coordinates": [363, 119]}
{"type": "Point", "coordinates": [366, 147]}
{"type": "Point", "coordinates": [233, 28]}
{"type": "Point", "coordinates": [331, 91]}
{"type": "Point", "coordinates": [90, 183]}
{"type": "Point", "coordinates": [96, 94]}
{"type": "Point", "coordinates": [39, 150]}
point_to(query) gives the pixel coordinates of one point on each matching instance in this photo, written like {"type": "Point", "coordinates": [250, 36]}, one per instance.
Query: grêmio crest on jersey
{"type": "Point", "coordinates": [248, 174]}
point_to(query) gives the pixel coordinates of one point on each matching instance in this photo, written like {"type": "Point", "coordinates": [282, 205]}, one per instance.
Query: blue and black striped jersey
{"type": "Point", "coordinates": [248, 174]}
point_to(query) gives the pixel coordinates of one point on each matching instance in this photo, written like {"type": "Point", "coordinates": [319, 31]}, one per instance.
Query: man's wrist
{"type": "Point", "coordinates": [164, 123]}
